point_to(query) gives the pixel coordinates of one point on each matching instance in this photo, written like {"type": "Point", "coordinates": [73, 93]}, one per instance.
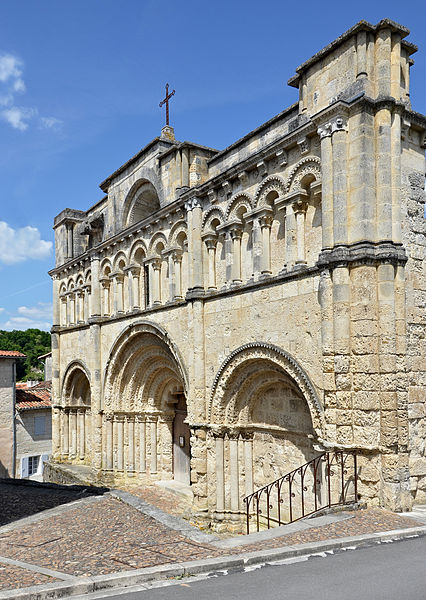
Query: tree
{"type": "Point", "coordinates": [32, 343]}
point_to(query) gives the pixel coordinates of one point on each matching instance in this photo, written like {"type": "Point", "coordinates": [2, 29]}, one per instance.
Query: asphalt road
{"type": "Point", "coordinates": [384, 572]}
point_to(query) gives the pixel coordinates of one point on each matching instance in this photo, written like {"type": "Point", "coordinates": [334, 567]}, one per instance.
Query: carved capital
{"type": "Point", "coordinates": [210, 239]}
{"type": "Point", "coordinates": [105, 282]}
{"type": "Point", "coordinates": [266, 221]}
{"type": "Point", "coordinates": [192, 203]}
{"type": "Point", "coordinates": [177, 256]}
{"type": "Point", "coordinates": [236, 232]}
{"type": "Point", "coordinates": [300, 206]}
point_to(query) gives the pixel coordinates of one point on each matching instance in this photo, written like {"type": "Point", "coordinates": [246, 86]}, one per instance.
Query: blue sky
{"type": "Point", "coordinates": [80, 84]}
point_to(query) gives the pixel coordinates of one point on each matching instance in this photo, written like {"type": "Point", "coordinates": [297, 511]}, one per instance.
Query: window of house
{"type": "Point", "coordinates": [33, 464]}
{"type": "Point", "coordinates": [39, 425]}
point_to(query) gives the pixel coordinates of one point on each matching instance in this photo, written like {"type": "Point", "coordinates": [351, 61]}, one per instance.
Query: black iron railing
{"type": "Point", "coordinates": [328, 480]}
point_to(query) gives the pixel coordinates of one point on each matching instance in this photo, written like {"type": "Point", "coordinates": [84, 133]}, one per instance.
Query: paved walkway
{"type": "Point", "coordinates": [118, 532]}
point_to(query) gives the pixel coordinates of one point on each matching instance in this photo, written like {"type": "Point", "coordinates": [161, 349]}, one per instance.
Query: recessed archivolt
{"type": "Point", "coordinates": [141, 201]}
{"type": "Point", "coordinates": [158, 237]}
{"type": "Point", "coordinates": [309, 166]}
{"type": "Point", "coordinates": [75, 383]}
{"type": "Point", "coordinates": [241, 200]}
{"type": "Point", "coordinates": [244, 366]}
{"type": "Point", "coordinates": [119, 258]}
{"type": "Point", "coordinates": [141, 353]}
{"type": "Point", "coordinates": [176, 231]}
{"type": "Point", "coordinates": [273, 183]}
{"type": "Point", "coordinates": [138, 245]}
{"type": "Point", "coordinates": [213, 213]}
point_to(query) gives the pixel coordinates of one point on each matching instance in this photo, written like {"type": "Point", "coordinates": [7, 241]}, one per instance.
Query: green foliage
{"type": "Point", "coordinates": [32, 343]}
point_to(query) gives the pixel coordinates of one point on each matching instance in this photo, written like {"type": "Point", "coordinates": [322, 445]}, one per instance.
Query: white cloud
{"type": "Point", "coordinates": [1, 310]}
{"type": "Point", "coordinates": [30, 317]}
{"type": "Point", "coordinates": [17, 245]}
{"type": "Point", "coordinates": [12, 83]}
{"type": "Point", "coordinates": [10, 68]}
{"type": "Point", "coordinates": [18, 117]}
{"type": "Point", "coordinates": [50, 123]}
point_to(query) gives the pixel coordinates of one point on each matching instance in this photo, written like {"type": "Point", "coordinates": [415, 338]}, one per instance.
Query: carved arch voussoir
{"type": "Point", "coordinates": [240, 199]}
{"type": "Point", "coordinates": [310, 165]}
{"type": "Point", "coordinates": [273, 183]}
{"type": "Point", "coordinates": [179, 227]}
{"type": "Point", "coordinates": [124, 341]}
{"type": "Point", "coordinates": [277, 356]}
{"type": "Point", "coordinates": [213, 212]}
{"type": "Point", "coordinates": [75, 365]}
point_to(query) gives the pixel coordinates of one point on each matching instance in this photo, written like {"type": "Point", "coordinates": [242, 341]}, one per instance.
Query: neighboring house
{"type": "Point", "coordinates": [33, 429]}
{"type": "Point", "coordinates": [25, 422]}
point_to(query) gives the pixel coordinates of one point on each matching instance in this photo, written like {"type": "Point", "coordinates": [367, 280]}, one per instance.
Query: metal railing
{"type": "Point", "coordinates": [328, 480]}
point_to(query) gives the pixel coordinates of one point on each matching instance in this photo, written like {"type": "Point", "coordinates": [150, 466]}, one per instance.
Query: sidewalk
{"type": "Point", "coordinates": [121, 539]}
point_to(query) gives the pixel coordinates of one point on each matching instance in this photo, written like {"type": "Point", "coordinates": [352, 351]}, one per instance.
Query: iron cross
{"type": "Point", "coordinates": [166, 102]}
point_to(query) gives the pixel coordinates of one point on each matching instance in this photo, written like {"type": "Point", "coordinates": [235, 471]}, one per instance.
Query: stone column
{"type": "Point", "coordinates": [95, 309]}
{"type": "Point", "coordinates": [142, 443]}
{"type": "Point", "coordinates": [134, 287]}
{"type": "Point", "coordinates": [188, 207]}
{"type": "Point", "coordinates": [64, 316]}
{"type": "Point", "coordinates": [70, 240]}
{"type": "Point", "coordinates": [65, 428]}
{"type": "Point", "coordinates": [119, 424]}
{"type": "Point", "coordinates": [171, 266]}
{"type": "Point", "coordinates": [118, 293]}
{"type": "Point", "coordinates": [197, 246]}
{"type": "Point", "coordinates": [177, 271]}
{"type": "Point", "coordinates": [236, 234]}
{"type": "Point", "coordinates": [152, 420]}
{"type": "Point", "coordinates": [105, 283]}
{"type": "Point", "coordinates": [73, 433]}
{"type": "Point", "coordinates": [299, 209]}
{"type": "Point", "coordinates": [156, 281]}
{"type": "Point", "coordinates": [248, 463]}
{"type": "Point", "coordinates": [220, 477]}
{"type": "Point", "coordinates": [109, 445]}
{"type": "Point", "coordinates": [79, 305]}
{"type": "Point", "coordinates": [257, 247]}
{"type": "Point", "coordinates": [266, 224]}
{"type": "Point", "coordinates": [234, 473]}
{"type": "Point", "coordinates": [290, 237]}
{"type": "Point", "coordinates": [211, 242]}
{"type": "Point", "coordinates": [340, 186]}
{"type": "Point", "coordinates": [56, 301]}
{"type": "Point", "coordinates": [72, 308]}
{"type": "Point", "coordinates": [324, 133]}
{"type": "Point", "coordinates": [130, 466]}
{"type": "Point", "coordinates": [87, 302]}
{"type": "Point", "coordinates": [81, 433]}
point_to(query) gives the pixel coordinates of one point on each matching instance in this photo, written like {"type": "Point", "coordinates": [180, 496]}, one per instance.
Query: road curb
{"type": "Point", "coordinates": [87, 585]}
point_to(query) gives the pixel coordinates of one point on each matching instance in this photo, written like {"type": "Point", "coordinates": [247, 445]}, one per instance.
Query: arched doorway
{"type": "Point", "coordinates": [265, 418]}
{"type": "Point", "coordinates": [181, 441]}
{"type": "Point", "coordinates": [76, 427]}
{"type": "Point", "coordinates": [144, 433]}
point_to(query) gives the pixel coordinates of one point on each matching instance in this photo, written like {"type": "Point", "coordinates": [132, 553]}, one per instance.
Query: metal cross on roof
{"type": "Point", "coordinates": [166, 102]}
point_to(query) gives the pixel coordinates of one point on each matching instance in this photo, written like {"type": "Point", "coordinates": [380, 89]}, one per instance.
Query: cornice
{"type": "Point", "coordinates": [362, 253]}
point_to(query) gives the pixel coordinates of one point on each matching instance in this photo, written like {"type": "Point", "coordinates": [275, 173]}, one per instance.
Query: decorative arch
{"type": "Point", "coordinates": [104, 266]}
{"type": "Point", "coordinates": [273, 183]}
{"type": "Point", "coordinates": [307, 167]}
{"type": "Point", "coordinates": [75, 388]}
{"type": "Point", "coordinates": [214, 212]}
{"type": "Point", "coordinates": [138, 245]}
{"type": "Point", "coordinates": [70, 284]}
{"type": "Point", "coordinates": [120, 256]}
{"type": "Point", "coordinates": [254, 361]}
{"type": "Point", "coordinates": [178, 228]}
{"type": "Point", "coordinates": [141, 201]}
{"type": "Point", "coordinates": [142, 355]}
{"type": "Point", "coordinates": [239, 200]}
{"type": "Point", "coordinates": [157, 237]}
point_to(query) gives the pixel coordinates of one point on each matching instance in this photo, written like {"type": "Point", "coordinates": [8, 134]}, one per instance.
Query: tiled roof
{"type": "Point", "coordinates": [38, 396]}
{"type": "Point", "coordinates": [11, 354]}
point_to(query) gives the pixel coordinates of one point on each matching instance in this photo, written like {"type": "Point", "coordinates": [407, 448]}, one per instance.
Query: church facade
{"type": "Point", "coordinates": [222, 317]}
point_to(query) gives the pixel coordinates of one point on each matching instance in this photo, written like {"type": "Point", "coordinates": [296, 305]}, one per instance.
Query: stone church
{"type": "Point", "coordinates": [222, 317]}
